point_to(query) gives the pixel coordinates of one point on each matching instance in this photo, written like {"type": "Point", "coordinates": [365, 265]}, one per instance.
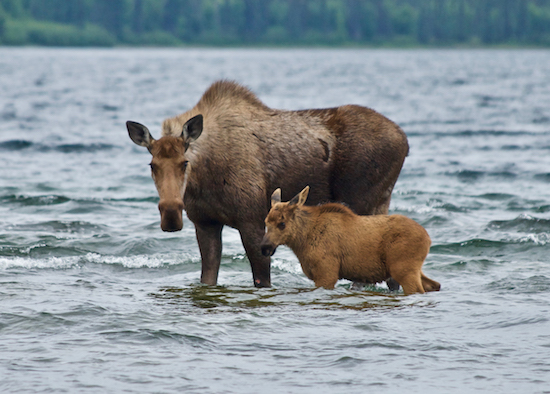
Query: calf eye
{"type": "Point", "coordinates": [153, 168]}
{"type": "Point", "coordinates": [281, 226]}
{"type": "Point", "coordinates": [184, 165]}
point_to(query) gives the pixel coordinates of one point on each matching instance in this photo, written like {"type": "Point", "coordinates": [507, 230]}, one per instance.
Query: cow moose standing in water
{"type": "Point", "coordinates": [222, 160]}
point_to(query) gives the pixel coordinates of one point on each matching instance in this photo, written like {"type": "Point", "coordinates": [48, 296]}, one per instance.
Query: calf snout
{"type": "Point", "coordinates": [268, 248]}
{"type": "Point", "coordinates": [171, 215]}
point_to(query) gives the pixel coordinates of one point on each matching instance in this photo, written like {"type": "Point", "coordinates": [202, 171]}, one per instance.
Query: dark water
{"type": "Point", "coordinates": [94, 297]}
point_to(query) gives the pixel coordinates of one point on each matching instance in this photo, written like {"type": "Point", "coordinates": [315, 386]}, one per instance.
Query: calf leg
{"type": "Point", "coordinates": [251, 237]}
{"type": "Point", "coordinates": [325, 274]}
{"type": "Point", "coordinates": [328, 281]}
{"type": "Point", "coordinates": [429, 284]}
{"type": "Point", "coordinates": [408, 276]}
{"type": "Point", "coordinates": [357, 286]}
{"type": "Point", "coordinates": [393, 285]}
{"type": "Point", "coordinates": [209, 238]}
{"type": "Point", "coordinates": [411, 284]}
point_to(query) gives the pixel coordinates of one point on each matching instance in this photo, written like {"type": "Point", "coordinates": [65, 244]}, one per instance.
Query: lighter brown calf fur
{"type": "Point", "coordinates": [331, 243]}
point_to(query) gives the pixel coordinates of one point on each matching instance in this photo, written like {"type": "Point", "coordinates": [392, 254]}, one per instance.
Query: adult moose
{"type": "Point", "coordinates": [222, 160]}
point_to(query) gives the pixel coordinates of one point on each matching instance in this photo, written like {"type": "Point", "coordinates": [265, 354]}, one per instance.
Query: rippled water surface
{"type": "Point", "coordinates": [94, 297]}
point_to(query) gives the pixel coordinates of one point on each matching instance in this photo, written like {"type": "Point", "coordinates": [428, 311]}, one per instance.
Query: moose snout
{"type": "Point", "coordinates": [171, 215]}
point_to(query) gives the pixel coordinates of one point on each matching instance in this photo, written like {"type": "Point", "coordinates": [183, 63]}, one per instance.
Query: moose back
{"type": "Point", "coordinates": [222, 160]}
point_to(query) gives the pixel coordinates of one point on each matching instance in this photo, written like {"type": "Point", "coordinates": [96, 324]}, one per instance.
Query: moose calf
{"type": "Point", "coordinates": [331, 243]}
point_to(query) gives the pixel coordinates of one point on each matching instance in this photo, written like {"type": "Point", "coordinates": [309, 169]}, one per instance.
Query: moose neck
{"type": "Point", "coordinates": [194, 168]}
{"type": "Point", "coordinates": [301, 230]}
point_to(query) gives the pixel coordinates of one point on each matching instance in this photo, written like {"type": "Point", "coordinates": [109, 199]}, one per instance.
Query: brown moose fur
{"type": "Point", "coordinates": [331, 243]}
{"type": "Point", "coordinates": [225, 176]}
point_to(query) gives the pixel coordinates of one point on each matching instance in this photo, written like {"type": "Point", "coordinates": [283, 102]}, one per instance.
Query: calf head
{"type": "Point", "coordinates": [169, 167]}
{"type": "Point", "coordinates": [281, 224]}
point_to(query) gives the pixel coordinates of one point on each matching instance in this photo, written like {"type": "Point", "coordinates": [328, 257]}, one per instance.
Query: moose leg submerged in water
{"type": "Point", "coordinates": [221, 160]}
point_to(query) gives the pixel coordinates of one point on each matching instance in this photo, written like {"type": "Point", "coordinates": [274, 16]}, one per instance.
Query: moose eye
{"type": "Point", "coordinates": [153, 167]}
{"type": "Point", "coordinates": [281, 226]}
{"type": "Point", "coordinates": [184, 165]}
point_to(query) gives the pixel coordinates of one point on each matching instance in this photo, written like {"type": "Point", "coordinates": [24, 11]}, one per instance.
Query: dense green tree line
{"type": "Point", "coordinates": [286, 22]}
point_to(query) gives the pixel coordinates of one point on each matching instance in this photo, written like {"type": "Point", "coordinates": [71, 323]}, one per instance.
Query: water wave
{"type": "Point", "coordinates": [530, 285]}
{"type": "Point", "coordinates": [290, 266]}
{"type": "Point", "coordinates": [487, 247]}
{"type": "Point", "coordinates": [536, 239]}
{"type": "Point", "coordinates": [13, 145]}
{"type": "Point", "coordinates": [68, 262]}
{"type": "Point", "coordinates": [48, 199]}
{"type": "Point", "coordinates": [84, 205]}
{"type": "Point", "coordinates": [543, 177]}
{"type": "Point", "coordinates": [438, 204]}
{"type": "Point", "coordinates": [8, 263]}
{"type": "Point", "coordinates": [496, 196]}
{"type": "Point", "coordinates": [155, 336]}
{"type": "Point", "coordinates": [17, 145]}
{"type": "Point", "coordinates": [81, 148]}
{"type": "Point", "coordinates": [472, 176]}
{"type": "Point", "coordinates": [523, 223]}
{"type": "Point", "coordinates": [468, 132]}
{"type": "Point", "coordinates": [143, 261]}
{"type": "Point", "coordinates": [62, 226]}
{"type": "Point", "coordinates": [153, 199]}
{"type": "Point", "coordinates": [433, 206]}
{"type": "Point", "coordinates": [466, 176]}
{"type": "Point", "coordinates": [541, 208]}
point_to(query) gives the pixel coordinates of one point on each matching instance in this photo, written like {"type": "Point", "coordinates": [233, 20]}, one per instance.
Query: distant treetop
{"type": "Point", "coordinates": [275, 22]}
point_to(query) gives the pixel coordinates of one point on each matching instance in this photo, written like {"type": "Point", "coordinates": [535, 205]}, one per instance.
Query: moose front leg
{"type": "Point", "coordinates": [209, 238]}
{"type": "Point", "coordinates": [251, 237]}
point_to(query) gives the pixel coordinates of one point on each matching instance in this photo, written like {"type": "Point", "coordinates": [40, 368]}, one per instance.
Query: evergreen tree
{"type": "Point", "coordinates": [431, 22]}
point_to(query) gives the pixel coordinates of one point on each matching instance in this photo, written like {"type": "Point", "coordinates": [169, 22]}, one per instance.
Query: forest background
{"type": "Point", "coordinates": [399, 23]}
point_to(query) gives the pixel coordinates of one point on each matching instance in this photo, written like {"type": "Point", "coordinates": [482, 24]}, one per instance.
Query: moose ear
{"type": "Point", "coordinates": [139, 134]}
{"type": "Point", "coordinates": [300, 198]}
{"type": "Point", "coordinates": [192, 129]}
{"type": "Point", "coordinates": [276, 197]}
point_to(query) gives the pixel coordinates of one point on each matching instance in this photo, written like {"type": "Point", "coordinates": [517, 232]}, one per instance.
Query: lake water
{"type": "Point", "coordinates": [95, 298]}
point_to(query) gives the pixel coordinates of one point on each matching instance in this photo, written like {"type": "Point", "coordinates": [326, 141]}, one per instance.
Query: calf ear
{"type": "Point", "coordinates": [139, 134]}
{"type": "Point", "coordinates": [192, 129]}
{"type": "Point", "coordinates": [300, 198]}
{"type": "Point", "coordinates": [276, 197]}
